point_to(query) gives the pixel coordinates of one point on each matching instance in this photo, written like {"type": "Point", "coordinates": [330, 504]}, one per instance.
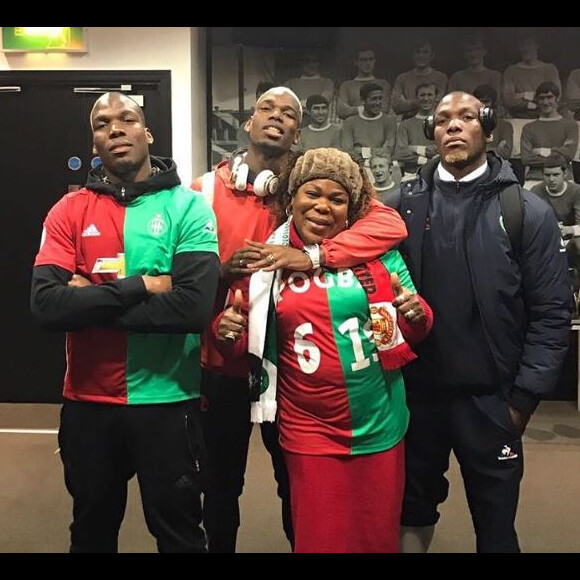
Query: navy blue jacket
{"type": "Point", "coordinates": [525, 301]}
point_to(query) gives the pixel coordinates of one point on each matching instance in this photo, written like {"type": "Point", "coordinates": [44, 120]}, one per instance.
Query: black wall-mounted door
{"type": "Point", "coordinates": [44, 127]}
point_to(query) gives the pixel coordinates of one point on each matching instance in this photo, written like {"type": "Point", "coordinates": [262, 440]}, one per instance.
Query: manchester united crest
{"type": "Point", "coordinates": [383, 323]}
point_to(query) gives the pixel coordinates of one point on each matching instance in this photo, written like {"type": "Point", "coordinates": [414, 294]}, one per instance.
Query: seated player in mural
{"type": "Point", "coordinates": [404, 100]}
{"type": "Point", "coordinates": [319, 132]}
{"type": "Point", "coordinates": [412, 148]}
{"type": "Point", "coordinates": [372, 127]}
{"type": "Point", "coordinates": [476, 73]}
{"type": "Point", "coordinates": [564, 197]}
{"type": "Point", "coordinates": [521, 79]}
{"type": "Point", "coordinates": [386, 175]}
{"type": "Point", "coordinates": [502, 138]}
{"type": "Point", "coordinates": [349, 99]}
{"type": "Point", "coordinates": [551, 133]}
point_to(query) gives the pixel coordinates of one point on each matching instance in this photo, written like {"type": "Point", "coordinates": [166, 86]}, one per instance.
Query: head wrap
{"type": "Point", "coordinates": [327, 163]}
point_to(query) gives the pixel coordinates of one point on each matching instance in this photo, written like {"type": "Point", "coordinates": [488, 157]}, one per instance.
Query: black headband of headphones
{"type": "Point", "coordinates": [486, 116]}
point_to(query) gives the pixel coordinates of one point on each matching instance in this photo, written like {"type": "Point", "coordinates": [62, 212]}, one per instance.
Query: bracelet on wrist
{"type": "Point", "coordinates": [313, 252]}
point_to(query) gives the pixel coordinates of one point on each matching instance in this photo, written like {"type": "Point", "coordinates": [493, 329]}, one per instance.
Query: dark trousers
{"type": "Point", "coordinates": [103, 446]}
{"type": "Point", "coordinates": [227, 429]}
{"type": "Point", "coordinates": [488, 448]}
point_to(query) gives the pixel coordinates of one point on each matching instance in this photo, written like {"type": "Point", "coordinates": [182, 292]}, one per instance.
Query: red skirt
{"type": "Point", "coordinates": [349, 504]}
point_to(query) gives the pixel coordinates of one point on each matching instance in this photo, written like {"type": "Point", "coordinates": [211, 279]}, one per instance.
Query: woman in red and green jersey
{"type": "Point", "coordinates": [333, 342]}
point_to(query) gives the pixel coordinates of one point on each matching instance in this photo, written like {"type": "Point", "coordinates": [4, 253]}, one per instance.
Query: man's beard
{"type": "Point", "coordinates": [273, 150]}
{"type": "Point", "coordinates": [124, 170]}
{"type": "Point", "coordinates": [126, 167]}
{"type": "Point", "coordinates": [459, 159]}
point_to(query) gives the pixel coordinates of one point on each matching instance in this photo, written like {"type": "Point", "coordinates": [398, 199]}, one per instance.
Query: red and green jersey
{"type": "Point", "coordinates": [334, 398]}
{"type": "Point", "coordinates": [92, 235]}
{"type": "Point", "coordinates": [241, 215]}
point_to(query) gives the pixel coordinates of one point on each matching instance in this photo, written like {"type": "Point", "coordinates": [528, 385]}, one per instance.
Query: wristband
{"type": "Point", "coordinates": [313, 252]}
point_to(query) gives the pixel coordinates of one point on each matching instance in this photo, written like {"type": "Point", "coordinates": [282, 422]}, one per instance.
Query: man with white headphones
{"type": "Point", "coordinates": [242, 191]}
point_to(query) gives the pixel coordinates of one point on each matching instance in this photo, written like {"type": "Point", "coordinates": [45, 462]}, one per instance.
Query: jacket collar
{"type": "Point", "coordinates": [163, 176]}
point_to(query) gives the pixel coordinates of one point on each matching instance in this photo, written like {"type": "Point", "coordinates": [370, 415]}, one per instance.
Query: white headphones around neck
{"type": "Point", "coordinates": [265, 183]}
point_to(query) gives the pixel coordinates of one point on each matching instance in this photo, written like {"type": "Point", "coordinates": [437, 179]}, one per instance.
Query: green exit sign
{"type": "Point", "coordinates": [44, 39]}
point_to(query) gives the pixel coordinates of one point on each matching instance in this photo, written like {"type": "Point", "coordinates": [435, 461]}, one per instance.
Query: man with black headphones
{"type": "Point", "coordinates": [501, 330]}
{"type": "Point", "coordinates": [241, 191]}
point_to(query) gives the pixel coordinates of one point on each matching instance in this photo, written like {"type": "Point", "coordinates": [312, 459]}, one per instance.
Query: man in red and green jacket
{"type": "Point", "coordinates": [128, 266]}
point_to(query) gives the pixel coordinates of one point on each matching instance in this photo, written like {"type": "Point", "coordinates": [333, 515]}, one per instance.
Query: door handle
{"type": "Point", "coordinates": [96, 90]}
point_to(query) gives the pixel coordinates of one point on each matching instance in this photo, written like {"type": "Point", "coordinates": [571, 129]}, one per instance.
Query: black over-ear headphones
{"type": "Point", "coordinates": [265, 183]}
{"type": "Point", "coordinates": [487, 120]}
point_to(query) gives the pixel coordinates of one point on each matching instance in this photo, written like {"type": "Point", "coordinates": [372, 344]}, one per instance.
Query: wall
{"type": "Point", "coordinates": [258, 66]}
{"type": "Point", "coordinates": [393, 47]}
{"type": "Point", "coordinates": [198, 102]}
{"type": "Point", "coordinates": [179, 49]}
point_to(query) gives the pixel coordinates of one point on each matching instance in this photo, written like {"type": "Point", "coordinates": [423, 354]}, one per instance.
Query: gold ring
{"type": "Point", "coordinates": [241, 263]}
{"type": "Point", "coordinates": [272, 258]}
{"type": "Point", "coordinates": [409, 313]}
{"type": "Point", "coordinates": [230, 335]}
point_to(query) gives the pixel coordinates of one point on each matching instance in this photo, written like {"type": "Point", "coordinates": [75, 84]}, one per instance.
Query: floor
{"type": "Point", "coordinates": [35, 508]}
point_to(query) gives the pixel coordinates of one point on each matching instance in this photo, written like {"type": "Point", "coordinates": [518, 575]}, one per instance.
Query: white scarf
{"type": "Point", "coordinates": [264, 289]}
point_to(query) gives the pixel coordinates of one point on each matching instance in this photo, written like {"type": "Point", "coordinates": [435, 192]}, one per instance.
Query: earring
{"type": "Point", "coordinates": [346, 223]}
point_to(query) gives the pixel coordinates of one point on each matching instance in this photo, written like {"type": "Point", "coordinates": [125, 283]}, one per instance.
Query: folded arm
{"type": "Point", "coordinates": [187, 307]}
{"type": "Point", "coordinates": [60, 307]}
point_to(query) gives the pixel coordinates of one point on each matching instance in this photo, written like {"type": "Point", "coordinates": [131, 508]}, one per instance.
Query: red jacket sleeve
{"type": "Point", "coordinates": [417, 331]}
{"type": "Point", "coordinates": [380, 230]}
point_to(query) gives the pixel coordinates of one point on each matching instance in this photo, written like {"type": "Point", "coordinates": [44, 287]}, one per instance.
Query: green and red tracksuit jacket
{"type": "Point", "coordinates": [123, 345]}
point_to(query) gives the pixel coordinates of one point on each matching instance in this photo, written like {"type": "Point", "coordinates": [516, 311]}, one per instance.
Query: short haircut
{"type": "Point", "coordinates": [366, 49]}
{"type": "Point", "coordinates": [106, 97]}
{"type": "Point", "coordinates": [555, 160]}
{"type": "Point", "coordinates": [310, 56]}
{"type": "Point", "coordinates": [485, 93]}
{"type": "Point", "coordinates": [380, 156]}
{"type": "Point", "coordinates": [368, 88]}
{"type": "Point", "coordinates": [421, 42]}
{"type": "Point", "coordinates": [547, 87]}
{"type": "Point", "coordinates": [316, 100]}
{"type": "Point", "coordinates": [262, 87]}
{"type": "Point", "coordinates": [474, 40]}
{"type": "Point", "coordinates": [425, 85]}
{"type": "Point", "coordinates": [523, 34]}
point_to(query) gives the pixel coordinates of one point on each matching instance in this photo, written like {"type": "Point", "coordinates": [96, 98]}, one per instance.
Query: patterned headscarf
{"type": "Point", "coordinates": [327, 163]}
